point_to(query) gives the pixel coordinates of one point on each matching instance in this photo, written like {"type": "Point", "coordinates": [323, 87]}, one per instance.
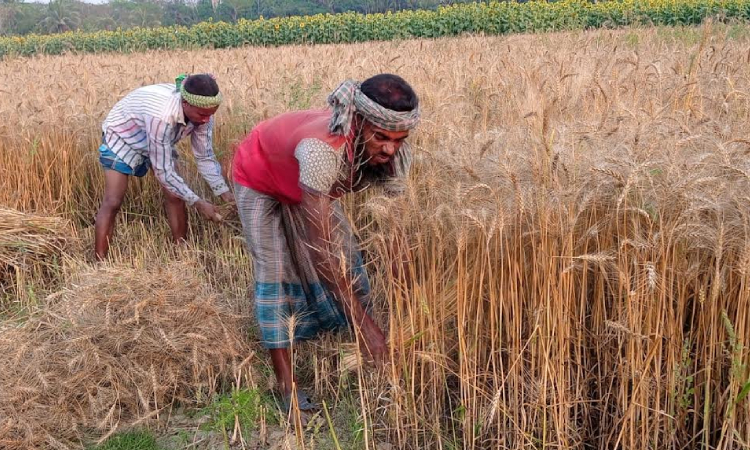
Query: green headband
{"type": "Point", "coordinates": [200, 101]}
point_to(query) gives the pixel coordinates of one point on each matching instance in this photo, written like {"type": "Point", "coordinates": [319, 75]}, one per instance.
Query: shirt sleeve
{"type": "Point", "coordinates": [160, 150]}
{"type": "Point", "coordinates": [394, 185]}
{"type": "Point", "coordinates": [202, 143]}
{"type": "Point", "coordinates": [319, 165]}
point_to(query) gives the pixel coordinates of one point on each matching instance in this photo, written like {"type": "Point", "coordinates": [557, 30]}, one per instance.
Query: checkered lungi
{"type": "Point", "coordinates": [291, 302]}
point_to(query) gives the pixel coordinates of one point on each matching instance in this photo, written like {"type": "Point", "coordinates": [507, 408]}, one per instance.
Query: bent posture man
{"type": "Point", "coordinates": [289, 173]}
{"type": "Point", "coordinates": [141, 132]}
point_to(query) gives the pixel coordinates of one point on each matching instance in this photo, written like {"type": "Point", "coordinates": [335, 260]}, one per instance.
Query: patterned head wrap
{"type": "Point", "coordinates": [200, 101]}
{"type": "Point", "coordinates": [348, 99]}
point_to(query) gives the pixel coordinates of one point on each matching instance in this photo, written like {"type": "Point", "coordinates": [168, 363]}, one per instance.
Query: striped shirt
{"type": "Point", "coordinates": [147, 124]}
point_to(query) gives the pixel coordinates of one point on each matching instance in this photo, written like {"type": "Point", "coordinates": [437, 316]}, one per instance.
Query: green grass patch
{"type": "Point", "coordinates": [242, 406]}
{"type": "Point", "coordinates": [130, 440]}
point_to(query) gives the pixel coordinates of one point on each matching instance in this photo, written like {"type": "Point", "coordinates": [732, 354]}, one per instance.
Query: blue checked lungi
{"type": "Point", "coordinates": [291, 302]}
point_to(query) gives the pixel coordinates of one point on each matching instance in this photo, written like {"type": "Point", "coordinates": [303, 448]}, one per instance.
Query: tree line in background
{"type": "Point", "coordinates": [58, 16]}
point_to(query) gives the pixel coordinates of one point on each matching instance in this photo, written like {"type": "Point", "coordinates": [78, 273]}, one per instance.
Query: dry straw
{"type": "Point", "coordinates": [119, 346]}
{"type": "Point", "coordinates": [32, 247]}
{"type": "Point", "coordinates": [30, 239]}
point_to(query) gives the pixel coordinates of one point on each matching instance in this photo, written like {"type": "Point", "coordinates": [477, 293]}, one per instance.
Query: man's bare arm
{"type": "Point", "coordinates": [335, 272]}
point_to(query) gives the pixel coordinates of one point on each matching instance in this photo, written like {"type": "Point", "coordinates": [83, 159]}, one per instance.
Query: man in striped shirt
{"type": "Point", "coordinates": [141, 132]}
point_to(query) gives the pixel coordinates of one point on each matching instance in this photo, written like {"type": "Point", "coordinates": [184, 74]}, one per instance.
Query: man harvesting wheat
{"type": "Point", "coordinates": [289, 173]}
{"type": "Point", "coordinates": [141, 132]}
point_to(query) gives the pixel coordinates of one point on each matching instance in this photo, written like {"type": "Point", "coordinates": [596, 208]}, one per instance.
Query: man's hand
{"type": "Point", "coordinates": [208, 210]}
{"type": "Point", "coordinates": [227, 197]}
{"type": "Point", "coordinates": [372, 341]}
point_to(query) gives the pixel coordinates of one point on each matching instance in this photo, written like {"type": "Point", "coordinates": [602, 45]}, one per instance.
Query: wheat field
{"type": "Point", "coordinates": [578, 218]}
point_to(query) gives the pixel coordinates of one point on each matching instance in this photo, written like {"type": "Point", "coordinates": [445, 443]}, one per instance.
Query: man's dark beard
{"type": "Point", "coordinates": [366, 173]}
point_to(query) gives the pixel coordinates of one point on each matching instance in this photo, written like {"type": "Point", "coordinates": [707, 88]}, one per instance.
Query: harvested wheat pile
{"type": "Point", "coordinates": [115, 348]}
{"type": "Point", "coordinates": [29, 241]}
{"type": "Point", "coordinates": [30, 238]}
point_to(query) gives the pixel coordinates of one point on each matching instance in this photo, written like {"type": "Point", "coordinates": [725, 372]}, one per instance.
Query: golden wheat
{"type": "Point", "coordinates": [577, 218]}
